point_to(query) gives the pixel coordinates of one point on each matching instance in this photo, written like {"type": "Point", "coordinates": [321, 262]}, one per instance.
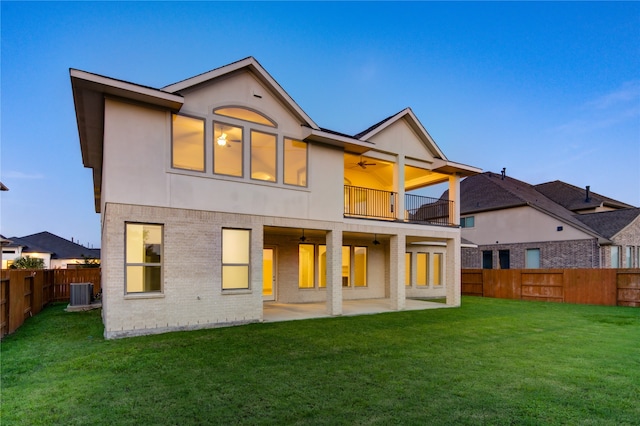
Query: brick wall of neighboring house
{"type": "Point", "coordinates": [553, 254]}
{"type": "Point", "coordinates": [628, 237]}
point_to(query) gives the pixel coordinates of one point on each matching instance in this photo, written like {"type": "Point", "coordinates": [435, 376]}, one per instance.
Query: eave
{"type": "Point", "coordinates": [89, 92]}
{"type": "Point", "coordinates": [328, 138]}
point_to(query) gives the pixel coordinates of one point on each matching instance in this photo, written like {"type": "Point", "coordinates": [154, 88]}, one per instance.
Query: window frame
{"type": "Point", "coordinates": [526, 258]}
{"type": "Point", "coordinates": [204, 143]}
{"type": "Point", "coordinates": [312, 266]}
{"type": "Point", "coordinates": [273, 124]}
{"type": "Point", "coordinates": [486, 255]}
{"type": "Point", "coordinates": [214, 144]}
{"type": "Point", "coordinates": [437, 263]}
{"type": "Point", "coordinates": [143, 264]}
{"type": "Point", "coordinates": [504, 259]}
{"type": "Point", "coordinates": [419, 269]}
{"type": "Point", "coordinates": [284, 162]}
{"type": "Point", "coordinates": [234, 264]}
{"type": "Point", "coordinates": [464, 222]}
{"type": "Point", "coordinates": [355, 268]}
{"type": "Point", "coordinates": [275, 155]}
{"type": "Point", "coordinates": [408, 262]}
{"type": "Point", "coordinates": [615, 256]}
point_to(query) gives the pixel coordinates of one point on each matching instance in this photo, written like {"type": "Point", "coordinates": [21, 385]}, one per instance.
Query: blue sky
{"type": "Point", "coordinates": [548, 90]}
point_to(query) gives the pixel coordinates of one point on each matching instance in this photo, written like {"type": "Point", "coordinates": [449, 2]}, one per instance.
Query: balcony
{"type": "Point", "coordinates": [367, 203]}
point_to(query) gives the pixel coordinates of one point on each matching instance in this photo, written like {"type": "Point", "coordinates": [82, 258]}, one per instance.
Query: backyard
{"type": "Point", "coordinates": [492, 361]}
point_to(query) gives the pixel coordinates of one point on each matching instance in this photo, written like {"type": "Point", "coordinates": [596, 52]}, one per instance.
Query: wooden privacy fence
{"type": "Point", "coordinates": [23, 293]}
{"type": "Point", "coordinates": [612, 287]}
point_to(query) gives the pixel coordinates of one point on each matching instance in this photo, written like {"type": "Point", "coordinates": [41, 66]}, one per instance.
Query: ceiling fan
{"type": "Point", "coordinates": [223, 140]}
{"type": "Point", "coordinates": [363, 163]}
{"type": "Point", "coordinates": [302, 238]}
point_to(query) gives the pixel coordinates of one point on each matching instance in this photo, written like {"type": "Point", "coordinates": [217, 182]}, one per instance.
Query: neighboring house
{"type": "Point", "coordinates": [551, 225]}
{"type": "Point", "coordinates": [219, 192]}
{"type": "Point", "coordinates": [57, 252]}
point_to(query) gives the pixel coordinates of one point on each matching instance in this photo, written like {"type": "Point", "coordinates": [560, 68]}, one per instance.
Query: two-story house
{"type": "Point", "coordinates": [551, 225]}
{"type": "Point", "coordinates": [218, 193]}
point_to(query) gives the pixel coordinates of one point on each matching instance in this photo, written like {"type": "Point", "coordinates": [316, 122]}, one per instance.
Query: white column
{"type": "Point", "coordinates": [453, 280]}
{"type": "Point", "coordinates": [398, 186]}
{"type": "Point", "coordinates": [454, 195]}
{"type": "Point", "coordinates": [397, 248]}
{"type": "Point", "coordinates": [334, 272]}
{"type": "Point", "coordinates": [257, 246]}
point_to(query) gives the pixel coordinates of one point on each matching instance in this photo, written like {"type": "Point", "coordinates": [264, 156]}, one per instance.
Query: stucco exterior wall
{"type": "Point", "coordinates": [400, 138]}
{"type": "Point", "coordinates": [518, 225]}
{"type": "Point", "coordinates": [137, 170]}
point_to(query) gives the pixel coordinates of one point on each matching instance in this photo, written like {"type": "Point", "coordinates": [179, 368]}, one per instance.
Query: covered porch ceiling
{"type": "Point", "coordinates": [377, 173]}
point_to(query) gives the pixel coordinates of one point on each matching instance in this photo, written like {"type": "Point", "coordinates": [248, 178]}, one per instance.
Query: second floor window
{"type": "Point", "coordinates": [295, 162]}
{"type": "Point", "coordinates": [238, 139]}
{"type": "Point", "coordinates": [187, 150]}
{"type": "Point", "coordinates": [227, 150]}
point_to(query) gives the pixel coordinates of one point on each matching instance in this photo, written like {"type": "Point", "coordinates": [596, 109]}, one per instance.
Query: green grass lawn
{"type": "Point", "coordinates": [489, 362]}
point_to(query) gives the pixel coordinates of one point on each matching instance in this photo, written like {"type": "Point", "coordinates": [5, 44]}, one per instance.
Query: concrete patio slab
{"type": "Point", "coordinates": [276, 312]}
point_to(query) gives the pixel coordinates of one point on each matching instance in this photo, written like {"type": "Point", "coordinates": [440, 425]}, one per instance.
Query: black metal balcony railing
{"type": "Point", "coordinates": [377, 204]}
{"type": "Point", "coordinates": [373, 203]}
{"type": "Point", "coordinates": [426, 209]}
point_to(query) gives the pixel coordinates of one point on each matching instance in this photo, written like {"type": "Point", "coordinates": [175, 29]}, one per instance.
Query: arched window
{"type": "Point", "coordinates": [245, 114]}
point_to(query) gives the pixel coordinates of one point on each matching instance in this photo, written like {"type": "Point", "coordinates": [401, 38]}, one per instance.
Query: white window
{"type": "Point", "coordinates": [422, 269]}
{"type": "Point", "coordinates": [407, 269]}
{"type": "Point", "coordinates": [143, 258]}
{"type": "Point", "coordinates": [627, 263]}
{"type": "Point", "coordinates": [295, 162]}
{"type": "Point", "coordinates": [532, 260]}
{"type": "Point", "coordinates": [615, 256]}
{"type": "Point", "coordinates": [263, 156]}
{"type": "Point", "coordinates": [306, 265]}
{"type": "Point", "coordinates": [187, 148]}
{"type": "Point", "coordinates": [467, 222]}
{"type": "Point", "coordinates": [322, 266]}
{"type": "Point", "coordinates": [437, 269]}
{"type": "Point", "coordinates": [236, 245]}
{"type": "Point", "coordinates": [227, 150]}
{"type": "Point", "coordinates": [360, 266]}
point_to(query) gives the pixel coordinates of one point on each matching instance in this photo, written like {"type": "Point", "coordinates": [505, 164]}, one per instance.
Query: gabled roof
{"type": "Point", "coordinates": [575, 199]}
{"type": "Point", "coordinates": [611, 222]}
{"type": "Point", "coordinates": [490, 191]}
{"type": "Point", "coordinates": [60, 248]}
{"type": "Point", "coordinates": [252, 65]}
{"type": "Point", "coordinates": [408, 115]}
{"type": "Point", "coordinates": [27, 247]}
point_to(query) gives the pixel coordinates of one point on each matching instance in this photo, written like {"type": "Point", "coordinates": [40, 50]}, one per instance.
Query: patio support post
{"type": "Point", "coordinates": [454, 196]}
{"type": "Point", "coordinates": [334, 272]}
{"type": "Point", "coordinates": [257, 246]}
{"type": "Point", "coordinates": [398, 185]}
{"type": "Point", "coordinates": [397, 248]}
{"type": "Point", "coordinates": [453, 277]}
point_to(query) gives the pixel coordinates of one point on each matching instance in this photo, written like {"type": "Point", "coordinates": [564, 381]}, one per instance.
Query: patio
{"type": "Point", "coordinates": [276, 312]}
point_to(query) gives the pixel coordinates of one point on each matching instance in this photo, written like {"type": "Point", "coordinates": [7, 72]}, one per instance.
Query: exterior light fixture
{"type": "Point", "coordinates": [375, 240]}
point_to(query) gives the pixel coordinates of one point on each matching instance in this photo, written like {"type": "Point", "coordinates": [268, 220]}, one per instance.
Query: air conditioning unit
{"type": "Point", "coordinates": [81, 294]}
